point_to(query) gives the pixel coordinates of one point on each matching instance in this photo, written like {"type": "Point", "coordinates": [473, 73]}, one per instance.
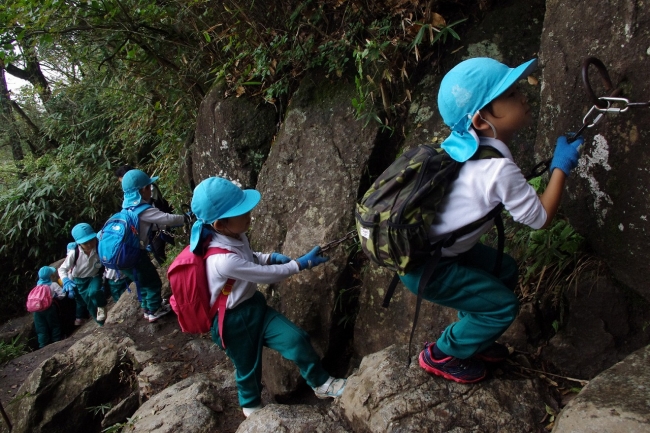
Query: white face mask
{"type": "Point", "coordinates": [494, 130]}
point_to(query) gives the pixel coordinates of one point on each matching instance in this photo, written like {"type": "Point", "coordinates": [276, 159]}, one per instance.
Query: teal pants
{"type": "Point", "coordinates": [47, 326]}
{"type": "Point", "coordinates": [117, 287]}
{"type": "Point", "coordinates": [486, 305]}
{"type": "Point", "coordinates": [247, 329]}
{"type": "Point", "coordinates": [148, 282]}
{"type": "Point", "coordinates": [89, 293]}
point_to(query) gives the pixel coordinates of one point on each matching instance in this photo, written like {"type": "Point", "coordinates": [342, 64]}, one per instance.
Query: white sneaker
{"type": "Point", "coordinates": [249, 410]}
{"type": "Point", "coordinates": [332, 388]}
{"type": "Point", "coordinates": [101, 314]}
{"type": "Point", "coordinates": [161, 311]}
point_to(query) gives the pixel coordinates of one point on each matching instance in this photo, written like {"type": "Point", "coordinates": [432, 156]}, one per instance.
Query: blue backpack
{"type": "Point", "coordinates": [119, 239]}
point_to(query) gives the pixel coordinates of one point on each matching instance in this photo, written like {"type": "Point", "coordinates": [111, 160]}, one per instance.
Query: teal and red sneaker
{"type": "Point", "coordinates": [469, 370]}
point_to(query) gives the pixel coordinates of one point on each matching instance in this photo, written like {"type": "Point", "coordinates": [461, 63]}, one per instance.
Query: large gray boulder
{"type": "Point", "coordinates": [293, 419]}
{"type": "Point", "coordinates": [616, 401]}
{"type": "Point", "coordinates": [606, 196]}
{"type": "Point", "coordinates": [386, 396]}
{"type": "Point", "coordinates": [233, 136]}
{"type": "Point", "coordinates": [60, 394]}
{"type": "Point", "coordinates": [198, 404]}
{"type": "Point", "coordinates": [309, 187]}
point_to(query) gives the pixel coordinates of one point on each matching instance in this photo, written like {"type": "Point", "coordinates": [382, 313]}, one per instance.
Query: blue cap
{"type": "Point", "coordinates": [45, 275]}
{"type": "Point", "coordinates": [132, 182]}
{"type": "Point", "coordinates": [83, 233]}
{"type": "Point", "coordinates": [71, 246]}
{"type": "Point", "coordinates": [216, 198]}
{"type": "Point", "coordinates": [465, 89]}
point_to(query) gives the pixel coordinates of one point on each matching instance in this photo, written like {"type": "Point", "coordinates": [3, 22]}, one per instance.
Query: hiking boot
{"type": "Point", "coordinates": [101, 314]}
{"type": "Point", "coordinates": [249, 410]}
{"type": "Point", "coordinates": [332, 388]}
{"type": "Point", "coordinates": [452, 368]}
{"type": "Point", "coordinates": [161, 311]}
{"type": "Point", "coordinates": [78, 322]}
{"type": "Point", "coordinates": [495, 353]}
{"type": "Point", "coordinates": [146, 314]}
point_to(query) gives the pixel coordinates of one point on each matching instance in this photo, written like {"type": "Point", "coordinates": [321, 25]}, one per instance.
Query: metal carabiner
{"type": "Point", "coordinates": [612, 100]}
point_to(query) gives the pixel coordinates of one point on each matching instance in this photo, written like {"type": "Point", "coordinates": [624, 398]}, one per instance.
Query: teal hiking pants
{"type": "Point", "coordinates": [90, 293]}
{"type": "Point", "coordinates": [148, 282]}
{"type": "Point", "coordinates": [117, 287]}
{"type": "Point", "coordinates": [486, 305]}
{"type": "Point", "coordinates": [247, 329]}
{"type": "Point", "coordinates": [47, 326]}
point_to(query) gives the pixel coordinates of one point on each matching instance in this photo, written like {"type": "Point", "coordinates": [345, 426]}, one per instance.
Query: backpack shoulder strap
{"type": "Point", "coordinates": [222, 299]}
{"type": "Point", "coordinates": [139, 208]}
{"type": "Point", "coordinates": [486, 152]}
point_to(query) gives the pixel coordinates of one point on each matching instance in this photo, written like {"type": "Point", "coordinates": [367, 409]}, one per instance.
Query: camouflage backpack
{"type": "Point", "coordinates": [395, 214]}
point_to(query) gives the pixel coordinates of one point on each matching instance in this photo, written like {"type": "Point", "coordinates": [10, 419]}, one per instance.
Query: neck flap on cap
{"type": "Point", "coordinates": [461, 145]}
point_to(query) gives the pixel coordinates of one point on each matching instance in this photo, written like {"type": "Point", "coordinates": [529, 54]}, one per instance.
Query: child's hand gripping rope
{"type": "Point", "coordinates": [311, 259]}
{"type": "Point", "coordinates": [566, 154]}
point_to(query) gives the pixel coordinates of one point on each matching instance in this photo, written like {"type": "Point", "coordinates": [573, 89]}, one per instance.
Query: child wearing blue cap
{"type": "Point", "coordinates": [248, 324]}
{"type": "Point", "coordinates": [81, 274]}
{"type": "Point", "coordinates": [136, 185]}
{"type": "Point", "coordinates": [479, 100]}
{"type": "Point", "coordinates": [47, 323]}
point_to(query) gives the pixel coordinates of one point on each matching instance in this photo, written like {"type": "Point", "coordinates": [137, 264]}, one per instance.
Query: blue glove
{"type": "Point", "coordinates": [68, 286]}
{"type": "Point", "coordinates": [278, 259]}
{"type": "Point", "coordinates": [311, 259]}
{"type": "Point", "coordinates": [566, 154]}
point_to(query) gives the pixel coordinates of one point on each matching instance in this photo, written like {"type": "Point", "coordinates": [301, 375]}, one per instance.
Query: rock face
{"type": "Point", "coordinates": [607, 196]}
{"type": "Point", "coordinates": [57, 395]}
{"type": "Point", "coordinates": [309, 186]}
{"type": "Point", "coordinates": [617, 401]}
{"type": "Point", "coordinates": [197, 404]}
{"type": "Point", "coordinates": [292, 419]}
{"type": "Point", "coordinates": [232, 138]}
{"type": "Point", "coordinates": [604, 326]}
{"type": "Point", "coordinates": [380, 327]}
{"type": "Point", "coordinates": [386, 396]}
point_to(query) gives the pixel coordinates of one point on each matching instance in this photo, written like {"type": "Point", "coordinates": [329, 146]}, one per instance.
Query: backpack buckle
{"type": "Point", "coordinates": [227, 288]}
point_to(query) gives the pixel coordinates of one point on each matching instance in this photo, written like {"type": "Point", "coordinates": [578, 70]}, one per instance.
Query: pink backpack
{"type": "Point", "coordinates": [39, 298]}
{"type": "Point", "coordinates": [190, 298]}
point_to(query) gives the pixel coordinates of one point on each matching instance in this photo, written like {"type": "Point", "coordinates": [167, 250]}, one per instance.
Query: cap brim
{"type": "Point", "coordinates": [153, 179]}
{"type": "Point", "coordinates": [251, 198]}
{"type": "Point", "coordinates": [513, 76]}
{"type": "Point", "coordinates": [87, 238]}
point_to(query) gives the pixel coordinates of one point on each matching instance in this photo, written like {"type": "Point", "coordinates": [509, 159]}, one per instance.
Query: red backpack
{"type": "Point", "coordinates": [39, 298]}
{"type": "Point", "coordinates": [190, 298]}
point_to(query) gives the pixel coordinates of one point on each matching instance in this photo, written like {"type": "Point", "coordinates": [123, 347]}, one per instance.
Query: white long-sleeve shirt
{"type": "Point", "coordinates": [56, 290]}
{"type": "Point", "coordinates": [481, 185]}
{"type": "Point", "coordinates": [86, 265]}
{"type": "Point", "coordinates": [162, 220]}
{"type": "Point", "coordinates": [246, 267]}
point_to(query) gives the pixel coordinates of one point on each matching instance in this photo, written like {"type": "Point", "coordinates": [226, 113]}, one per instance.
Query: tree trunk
{"type": "Point", "coordinates": [7, 116]}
